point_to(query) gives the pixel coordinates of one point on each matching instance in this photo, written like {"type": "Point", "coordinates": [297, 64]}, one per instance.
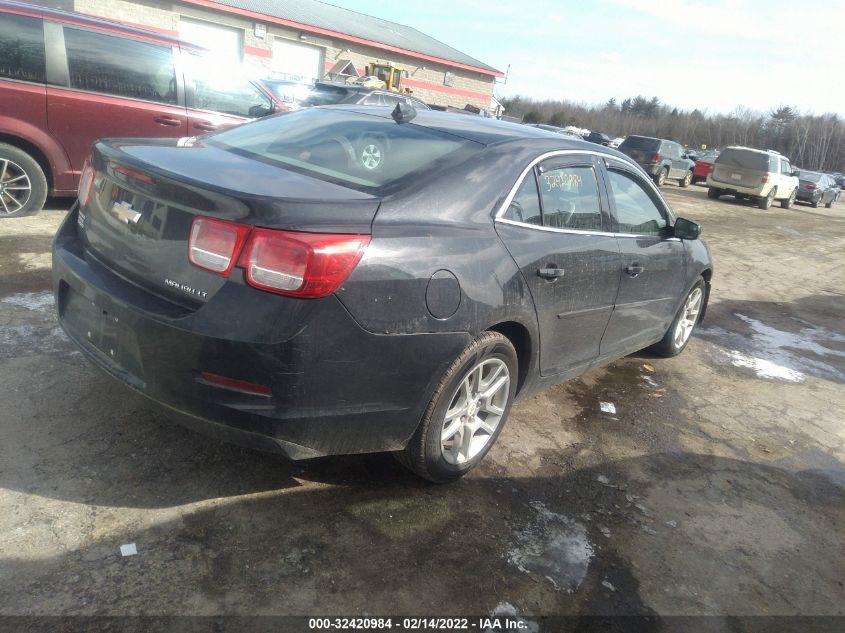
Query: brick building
{"type": "Point", "coordinates": [308, 40]}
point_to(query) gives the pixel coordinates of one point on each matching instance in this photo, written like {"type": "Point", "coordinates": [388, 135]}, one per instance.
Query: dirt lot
{"type": "Point", "coordinates": [718, 487]}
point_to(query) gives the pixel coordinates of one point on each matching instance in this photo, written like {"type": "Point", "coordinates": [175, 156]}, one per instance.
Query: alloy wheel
{"type": "Point", "coordinates": [15, 187]}
{"type": "Point", "coordinates": [689, 317]}
{"type": "Point", "coordinates": [371, 156]}
{"type": "Point", "coordinates": [475, 411]}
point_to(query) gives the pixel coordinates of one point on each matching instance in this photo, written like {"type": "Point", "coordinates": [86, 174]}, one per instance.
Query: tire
{"type": "Point", "coordinates": [372, 153]}
{"type": "Point", "coordinates": [674, 341]}
{"type": "Point", "coordinates": [786, 204]}
{"type": "Point", "coordinates": [829, 205]}
{"type": "Point", "coordinates": [714, 193]}
{"type": "Point", "coordinates": [23, 186]}
{"type": "Point", "coordinates": [660, 179]}
{"type": "Point", "coordinates": [686, 180]}
{"type": "Point", "coordinates": [815, 203]}
{"type": "Point", "coordinates": [766, 203]}
{"type": "Point", "coordinates": [427, 454]}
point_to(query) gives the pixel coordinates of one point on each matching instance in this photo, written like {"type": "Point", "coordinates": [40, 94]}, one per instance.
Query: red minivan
{"type": "Point", "coordinates": [67, 79]}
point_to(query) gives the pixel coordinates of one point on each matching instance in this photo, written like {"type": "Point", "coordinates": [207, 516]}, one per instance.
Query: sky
{"type": "Point", "coordinates": [714, 55]}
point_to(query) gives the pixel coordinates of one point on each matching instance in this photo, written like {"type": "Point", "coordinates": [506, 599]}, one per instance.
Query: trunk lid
{"type": "Point", "coordinates": [146, 193]}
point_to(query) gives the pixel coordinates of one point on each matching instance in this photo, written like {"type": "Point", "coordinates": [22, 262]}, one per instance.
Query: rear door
{"type": "Point", "coordinates": [109, 86]}
{"type": "Point", "coordinates": [556, 230]}
{"type": "Point", "coordinates": [653, 265]}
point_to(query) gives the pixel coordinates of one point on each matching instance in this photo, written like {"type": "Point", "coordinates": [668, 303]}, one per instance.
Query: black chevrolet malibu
{"type": "Point", "coordinates": [277, 286]}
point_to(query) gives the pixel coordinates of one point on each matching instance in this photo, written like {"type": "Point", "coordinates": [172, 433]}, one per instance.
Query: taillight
{"type": "Point", "coordinates": [307, 265]}
{"type": "Point", "coordinates": [656, 158]}
{"type": "Point", "coordinates": [86, 184]}
{"type": "Point", "coordinates": [215, 245]}
{"type": "Point", "coordinates": [810, 186]}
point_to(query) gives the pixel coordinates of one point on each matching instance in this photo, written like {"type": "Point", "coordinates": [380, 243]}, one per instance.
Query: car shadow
{"type": "Point", "coordinates": [682, 532]}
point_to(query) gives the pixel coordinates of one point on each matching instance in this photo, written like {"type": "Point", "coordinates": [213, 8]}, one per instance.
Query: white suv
{"type": "Point", "coordinates": [763, 175]}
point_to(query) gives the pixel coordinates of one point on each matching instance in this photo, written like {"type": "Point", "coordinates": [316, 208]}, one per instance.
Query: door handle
{"type": "Point", "coordinates": [205, 126]}
{"type": "Point", "coordinates": [634, 269]}
{"type": "Point", "coordinates": [166, 120]}
{"type": "Point", "coordinates": [550, 273]}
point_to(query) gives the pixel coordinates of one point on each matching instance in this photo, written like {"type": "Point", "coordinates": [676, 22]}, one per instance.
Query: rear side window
{"type": "Point", "coordinates": [120, 66]}
{"type": "Point", "coordinates": [636, 212]}
{"type": "Point", "coordinates": [743, 159]}
{"type": "Point", "coordinates": [525, 206]}
{"type": "Point", "coordinates": [360, 151]}
{"type": "Point", "coordinates": [570, 198]}
{"type": "Point", "coordinates": [21, 48]}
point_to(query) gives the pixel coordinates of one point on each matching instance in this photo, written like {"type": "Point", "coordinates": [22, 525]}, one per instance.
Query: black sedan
{"type": "Point", "coordinates": [267, 286]}
{"type": "Point", "coordinates": [817, 188]}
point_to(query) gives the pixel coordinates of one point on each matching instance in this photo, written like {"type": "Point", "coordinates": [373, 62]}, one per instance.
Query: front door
{"type": "Point", "coordinates": [652, 267]}
{"type": "Point", "coordinates": [556, 230]}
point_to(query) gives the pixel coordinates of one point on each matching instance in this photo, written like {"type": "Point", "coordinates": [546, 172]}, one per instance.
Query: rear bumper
{"type": "Point", "coordinates": [334, 387]}
{"type": "Point", "coordinates": [728, 188]}
{"type": "Point", "coordinates": [809, 196]}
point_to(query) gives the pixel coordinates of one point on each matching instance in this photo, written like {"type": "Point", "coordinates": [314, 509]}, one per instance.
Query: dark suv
{"type": "Point", "coordinates": [94, 79]}
{"type": "Point", "coordinates": [661, 159]}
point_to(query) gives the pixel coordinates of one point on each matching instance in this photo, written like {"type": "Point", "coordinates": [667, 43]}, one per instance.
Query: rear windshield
{"type": "Point", "coordinates": [323, 95]}
{"type": "Point", "coordinates": [744, 159]}
{"type": "Point", "coordinates": [640, 142]}
{"type": "Point", "coordinates": [810, 175]}
{"type": "Point", "coordinates": [361, 151]}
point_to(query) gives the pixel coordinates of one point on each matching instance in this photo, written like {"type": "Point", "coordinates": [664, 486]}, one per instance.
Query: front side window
{"type": "Point", "coordinates": [120, 66]}
{"type": "Point", "coordinates": [570, 198]}
{"type": "Point", "coordinates": [525, 206]}
{"type": "Point", "coordinates": [225, 90]}
{"type": "Point", "coordinates": [21, 48]}
{"type": "Point", "coordinates": [636, 212]}
{"type": "Point", "coordinates": [786, 169]}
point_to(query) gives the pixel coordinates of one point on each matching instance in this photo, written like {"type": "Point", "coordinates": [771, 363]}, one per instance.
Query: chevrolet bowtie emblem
{"type": "Point", "coordinates": [124, 212]}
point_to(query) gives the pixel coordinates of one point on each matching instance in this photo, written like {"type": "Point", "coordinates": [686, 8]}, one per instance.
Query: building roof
{"type": "Point", "coordinates": [327, 19]}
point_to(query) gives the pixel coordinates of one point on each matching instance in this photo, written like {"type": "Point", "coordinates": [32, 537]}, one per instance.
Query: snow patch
{"type": "Point", "coordinates": [39, 301]}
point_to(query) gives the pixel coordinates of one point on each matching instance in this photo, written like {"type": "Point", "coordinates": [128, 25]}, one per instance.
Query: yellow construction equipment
{"type": "Point", "coordinates": [383, 76]}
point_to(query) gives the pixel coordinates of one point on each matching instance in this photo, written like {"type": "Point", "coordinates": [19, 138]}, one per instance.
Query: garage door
{"type": "Point", "coordinates": [223, 42]}
{"type": "Point", "coordinates": [298, 62]}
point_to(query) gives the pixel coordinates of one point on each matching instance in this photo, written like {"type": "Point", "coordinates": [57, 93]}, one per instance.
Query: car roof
{"type": "Point", "coordinates": [86, 20]}
{"type": "Point", "coordinates": [480, 129]}
{"type": "Point", "coordinates": [768, 152]}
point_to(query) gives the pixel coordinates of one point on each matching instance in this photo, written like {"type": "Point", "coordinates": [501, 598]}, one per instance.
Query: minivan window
{"type": "Point", "coordinates": [120, 66]}
{"type": "Point", "coordinates": [342, 146]}
{"type": "Point", "coordinates": [570, 197]}
{"type": "Point", "coordinates": [744, 159]}
{"type": "Point", "coordinates": [21, 48]}
{"type": "Point", "coordinates": [636, 212]}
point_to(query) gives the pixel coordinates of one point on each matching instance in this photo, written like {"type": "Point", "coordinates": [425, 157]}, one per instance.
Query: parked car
{"type": "Point", "coordinates": [703, 164]}
{"type": "Point", "coordinates": [555, 129]}
{"type": "Point", "coordinates": [266, 286]}
{"type": "Point", "coordinates": [329, 93]}
{"type": "Point", "coordinates": [762, 175]}
{"type": "Point", "coordinates": [287, 93]}
{"type": "Point", "coordinates": [598, 138]}
{"type": "Point", "coordinates": [817, 188]}
{"type": "Point", "coordinates": [616, 142]}
{"type": "Point", "coordinates": [93, 79]}
{"type": "Point", "coordinates": [660, 158]}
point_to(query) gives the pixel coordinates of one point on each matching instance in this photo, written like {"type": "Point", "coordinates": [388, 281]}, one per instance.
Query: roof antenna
{"type": "Point", "coordinates": [403, 113]}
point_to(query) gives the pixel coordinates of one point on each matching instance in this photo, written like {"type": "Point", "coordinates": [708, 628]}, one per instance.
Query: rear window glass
{"type": "Point", "coordinates": [811, 176]}
{"type": "Point", "coordinates": [360, 151]}
{"type": "Point", "coordinates": [21, 48]}
{"type": "Point", "coordinates": [324, 95]}
{"type": "Point", "coordinates": [744, 159]}
{"type": "Point", "coordinates": [640, 142]}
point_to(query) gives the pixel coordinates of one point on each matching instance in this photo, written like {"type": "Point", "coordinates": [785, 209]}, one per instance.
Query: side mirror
{"type": "Point", "coordinates": [687, 229]}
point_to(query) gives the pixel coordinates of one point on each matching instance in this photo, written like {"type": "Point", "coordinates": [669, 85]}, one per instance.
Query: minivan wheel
{"type": "Point", "coordinates": [467, 412]}
{"type": "Point", "coordinates": [786, 204]}
{"type": "Point", "coordinates": [661, 177]}
{"type": "Point", "coordinates": [714, 193]}
{"type": "Point", "coordinates": [766, 203]}
{"type": "Point", "coordinates": [23, 186]}
{"type": "Point", "coordinates": [680, 332]}
{"type": "Point", "coordinates": [686, 180]}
